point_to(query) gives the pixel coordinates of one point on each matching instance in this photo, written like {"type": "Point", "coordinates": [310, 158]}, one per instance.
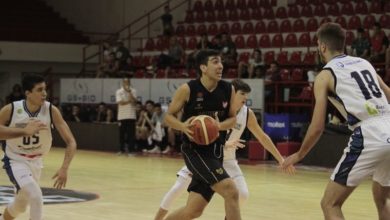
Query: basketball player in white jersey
{"type": "Point", "coordinates": [23, 156]}
{"type": "Point", "coordinates": [365, 98]}
{"type": "Point", "coordinates": [245, 118]}
{"type": "Point", "coordinates": [31, 128]}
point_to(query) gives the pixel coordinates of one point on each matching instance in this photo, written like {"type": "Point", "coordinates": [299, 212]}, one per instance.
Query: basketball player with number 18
{"type": "Point", "coordinates": [23, 156]}
{"type": "Point", "coordinates": [365, 98]}
{"type": "Point", "coordinates": [205, 96]}
{"type": "Point", "coordinates": [245, 119]}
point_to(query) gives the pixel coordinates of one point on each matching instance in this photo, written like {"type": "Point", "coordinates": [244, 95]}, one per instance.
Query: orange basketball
{"type": "Point", "coordinates": [205, 130]}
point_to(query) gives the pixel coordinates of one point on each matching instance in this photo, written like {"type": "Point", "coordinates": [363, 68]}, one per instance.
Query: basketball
{"type": "Point", "coordinates": [205, 130]}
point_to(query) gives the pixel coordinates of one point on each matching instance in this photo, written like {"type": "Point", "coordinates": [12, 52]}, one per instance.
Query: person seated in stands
{"type": "Point", "coordinates": [203, 44]}
{"type": "Point", "coordinates": [101, 112]}
{"type": "Point", "coordinates": [110, 116]}
{"type": "Point", "coordinates": [361, 45]}
{"type": "Point", "coordinates": [127, 69]}
{"type": "Point", "coordinates": [108, 68]}
{"type": "Point", "coordinates": [75, 116]}
{"type": "Point", "coordinates": [144, 126]}
{"type": "Point", "coordinates": [15, 95]}
{"type": "Point", "coordinates": [272, 75]}
{"type": "Point", "coordinates": [159, 136]}
{"type": "Point", "coordinates": [247, 69]}
{"type": "Point", "coordinates": [166, 19]}
{"type": "Point", "coordinates": [174, 56]}
{"type": "Point", "coordinates": [228, 51]}
{"type": "Point", "coordinates": [379, 44]}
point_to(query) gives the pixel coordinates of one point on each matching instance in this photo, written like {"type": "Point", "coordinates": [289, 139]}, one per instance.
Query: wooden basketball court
{"type": "Point", "coordinates": [132, 187]}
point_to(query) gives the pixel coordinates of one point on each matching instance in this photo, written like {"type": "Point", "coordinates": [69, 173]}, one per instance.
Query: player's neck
{"type": "Point", "coordinates": [208, 83]}
{"type": "Point", "coordinates": [333, 55]}
{"type": "Point", "coordinates": [31, 107]}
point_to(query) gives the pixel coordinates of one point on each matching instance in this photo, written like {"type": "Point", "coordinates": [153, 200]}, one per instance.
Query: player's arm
{"type": "Point", "coordinates": [181, 96]}
{"type": "Point", "coordinates": [321, 85]}
{"type": "Point", "coordinates": [262, 137]}
{"type": "Point", "coordinates": [385, 88]}
{"type": "Point", "coordinates": [67, 136]}
{"type": "Point", "coordinates": [229, 122]}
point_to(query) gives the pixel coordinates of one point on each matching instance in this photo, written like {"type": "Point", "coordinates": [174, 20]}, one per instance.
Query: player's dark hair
{"type": "Point", "coordinates": [238, 84]}
{"type": "Point", "coordinates": [30, 80]}
{"type": "Point", "coordinates": [333, 35]}
{"type": "Point", "coordinates": [203, 58]}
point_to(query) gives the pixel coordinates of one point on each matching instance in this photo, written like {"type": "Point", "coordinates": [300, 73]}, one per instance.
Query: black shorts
{"type": "Point", "coordinates": [206, 166]}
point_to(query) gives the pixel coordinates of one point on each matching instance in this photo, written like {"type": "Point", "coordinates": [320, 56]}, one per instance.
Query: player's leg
{"type": "Point", "coordinates": [334, 197]}
{"type": "Point", "coordinates": [234, 170]}
{"type": "Point", "coordinates": [196, 203]}
{"type": "Point", "coordinates": [228, 190]}
{"type": "Point", "coordinates": [177, 189]}
{"type": "Point", "coordinates": [382, 200]}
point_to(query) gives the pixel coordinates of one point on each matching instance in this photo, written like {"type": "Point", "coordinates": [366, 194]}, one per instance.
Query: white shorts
{"type": "Point", "coordinates": [367, 154]}
{"type": "Point", "coordinates": [23, 172]}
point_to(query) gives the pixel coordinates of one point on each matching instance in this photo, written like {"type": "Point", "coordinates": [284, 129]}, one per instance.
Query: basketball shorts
{"type": "Point", "coordinates": [367, 154]}
{"type": "Point", "coordinates": [206, 168]}
{"type": "Point", "coordinates": [22, 172]}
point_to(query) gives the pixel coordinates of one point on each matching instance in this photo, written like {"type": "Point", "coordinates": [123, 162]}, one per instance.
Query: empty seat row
{"type": "Point", "coordinates": [219, 5]}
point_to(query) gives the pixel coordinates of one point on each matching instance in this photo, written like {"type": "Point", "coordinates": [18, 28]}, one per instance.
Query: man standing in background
{"type": "Point", "coordinates": [126, 100]}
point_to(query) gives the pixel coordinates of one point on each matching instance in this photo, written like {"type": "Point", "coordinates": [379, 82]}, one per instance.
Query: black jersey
{"type": "Point", "coordinates": [204, 102]}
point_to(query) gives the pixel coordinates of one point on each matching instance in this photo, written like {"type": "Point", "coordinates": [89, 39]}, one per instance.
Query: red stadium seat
{"type": "Point", "coordinates": [301, 2]}
{"type": "Point", "coordinates": [369, 21]}
{"type": "Point", "coordinates": [146, 61]}
{"type": "Point", "coordinates": [296, 58]}
{"type": "Point", "coordinates": [245, 15]}
{"type": "Point", "coordinates": [282, 58]}
{"type": "Point", "coordinates": [285, 26]}
{"type": "Point", "coordinates": [307, 11]}
{"type": "Point", "coordinates": [180, 30]}
{"type": "Point", "coordinates": [230, 4]}
{"type": "Point", "coordinates": [137, 61]}
{"type": "Point", "coordinates": [161, 44]}
{"type": "Point", "coordinates": [224, 28]}
{"type": "Point", "coordinates": [277, 40]}
{"type": "Point", "coordinates": [387, 7]}
{"type": "Point", "coordinates": [269, 13]}
{"type": "Point", "coordinates": [199, 17]}
{"type": "Point", "coordinates": [221, 16]}
{"type": "Point", "coordinates": [236, 28]}
{"type": "Point", "coordinates": [149, 44]}
{"type": "Point", "coordinates": [281, 12]}
{"type": "Point", "coordinates": [212, 29]}
{"type": "Point", "coordinates": [252, 4]}
{"type": "Point", "coordinates": [191, 30]}
{"type": "Point", "coordinates": [239, 42]}
{"type": "Point", "coordinates": [210, 16]}
{"type": "Point", "coordinates": [160, 73]}
{"type": "Point", "coordinates": [310, 58]}
{"type": "Point", "coordinates": [201, 29]}
{"type": "Point", "coordinates": [350, 36]}
{"type": "Point", "coordinates": [189, 17]}
{"type": "Point", "coordinates": [256, 14]}
{"type": "Point", "coordinates": [312, 25]}
{"type": "Point", "coordinates": [248, 28]}
{"type": "Point", "coordinates": [384, 20]}
{"type": "Point", "coordinates": [265, 41]}
{"type": "Point", "coordinates": [219, 5]}
{"type": "Point", "coordinates": [198, 6]}
{"type": "Point", "coordinates": [314, 40]}
{"type": "Point", "coordinates": [376, 7]}
{"type": "Point", "coordinates": [291, 40]}
{"type": "Point", "coordinates": [233, 15]}
{"type": "Point", "coordinates": [297, 74]}
{"type": "Point", "coordinates": [299, 25]}
{"type": "Point", "coordinates": [192, 73]}
{"type": "Point", "coordinates": [241, 4]}
{"type": "Point", "coordinates": [182, 41]}
{"type": "Point", "coordinates": [232, 73]}
{"type": "Point", "coordinates": [273, 27]}
{"type": "Point", "coordinates": [208, 6]}
{"type": "Point", "coordinates": [192, 42]}
{"type": "Point", "coordinates": [342, 21]}
{"type": "Point", "coordinates": [354, 22]}
{"type": "Point", "coordinates": [347, 9]}
{"type": "Point", "coordinates": [260, 27]}
{"type": "Point", "coordinates": [304, 40]}
{"type": "Point", "coordinates": [293, 11]}
{"type": "Point", "coordinates": [361, 7]}
{"type": "Point", "coordinates": [325, 20]}
{"type": "Point", "coordinates": [251, 42]}
{"type": "Point", "coordinates": [319, 10]}
{"type": "Point", "coordinates": [333, 9]}
{"type": "Point", "coordinates": [264, 3]}
{"type": "Point", "coordinates": [139, 73]}
{"type": "Point", "coordinates": [244, 57]}
{"type": "Point", "coordinates": [285, 74]}
{"type": "Point", "coordinates": [269, 57]}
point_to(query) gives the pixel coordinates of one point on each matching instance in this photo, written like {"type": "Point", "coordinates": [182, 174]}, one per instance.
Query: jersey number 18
{"type": "Point", "coordinates": [372, 86]}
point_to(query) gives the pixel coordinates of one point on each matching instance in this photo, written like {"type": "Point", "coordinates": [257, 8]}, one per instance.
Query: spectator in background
{"type": "Point", "coordinates": [159, 131]}
{"type": "Point", "coordinates": [203, 44]}
{"type": "Point", "coordinates": [121, 54]}
{"type": "Point", "coordinates": [126, 100]}
{"type": "Point", "coordinates": [75, 116]}
{"type": "Point", "coordinates": [174, 56]}
{"type": "Point", "coordinates": [247, 69]}
{"type": "Point", "coordinates": [108, 68]}
{"type": "Point", "coordinates": [127, 70]}
{"type": "Point", "coordinates": [272, 75]}
{"type": "Point", "coordinates": [229, 52]}
{"type": "Point", "coordinates": [166, 19]}
{"type": "Point", "coordinates": [15, 95]}
{"type": "Point", "coordinates": [110, 117]}
{"type": "Point", "coordinates": [101, 112]}
{"type": "Point", "coordinates": [379, 44]}
{"type": "Point", "coordinates": [361, 45]}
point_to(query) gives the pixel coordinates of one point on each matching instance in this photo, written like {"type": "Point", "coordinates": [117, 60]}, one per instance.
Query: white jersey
{"type": "Point", "coordinates": [357, 88]}
{"type": "Point", "coordinates": [36, 145]}
{"type": "Point", "coordinates": [236, 132]}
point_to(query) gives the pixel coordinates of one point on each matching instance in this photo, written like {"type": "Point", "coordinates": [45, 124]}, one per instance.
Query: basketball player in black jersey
{"type": "Point", "coordinates": [207, 95]}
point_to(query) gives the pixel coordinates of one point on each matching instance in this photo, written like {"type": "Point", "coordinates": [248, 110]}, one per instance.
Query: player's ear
{"type": "Point", "coordinates": [203, 68]}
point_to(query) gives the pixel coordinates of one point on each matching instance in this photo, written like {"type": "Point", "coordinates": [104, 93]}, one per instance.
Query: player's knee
{"type": "Point", "coordinates": [16, 208]}
{"type": "Point", "coordinates": [194, 212]}
{"type": "Point", "coordinates": [230, 190]}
